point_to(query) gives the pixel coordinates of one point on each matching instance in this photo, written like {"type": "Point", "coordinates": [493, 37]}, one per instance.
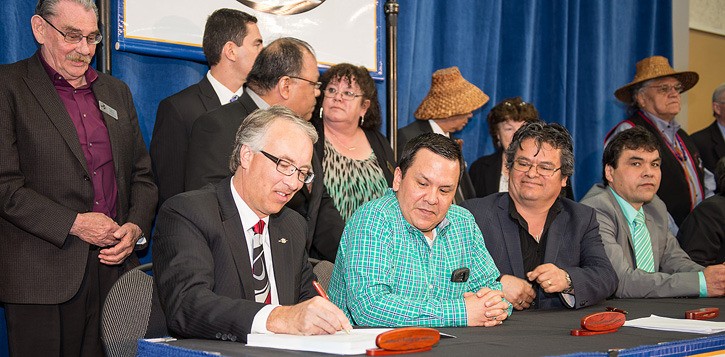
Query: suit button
{"type": "Point", "coordinates": [224, 337]}
{"type": "Point", "coordinates": [233, 338]}
{"type": "Point", "coordinates": [86, 178]}
{"type": "Point", "coordinates": [308, 218]}
{"type": "Point", "coordinates": [218, 335]}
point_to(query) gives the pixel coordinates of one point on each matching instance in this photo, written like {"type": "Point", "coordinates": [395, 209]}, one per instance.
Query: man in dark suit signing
{"type": "Point", "coordinates": [75, 184]}
{"type": "Point", "coordinates": [285, 73]}
{"type": "Point", "coordinates": [231, 43]}
{"type": "Point", "coordinates": [230, 259]}
{"type": "Point", "coordinates": [547, 247]}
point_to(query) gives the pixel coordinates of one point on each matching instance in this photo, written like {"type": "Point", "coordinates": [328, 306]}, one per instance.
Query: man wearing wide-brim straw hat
{"type": "Point", "coordinates": [446, 109]}
{"type": "Point", "coordinates": [653, 97]}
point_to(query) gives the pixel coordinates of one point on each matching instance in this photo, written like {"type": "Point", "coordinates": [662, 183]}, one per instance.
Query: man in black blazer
{"type": "Point", "coordinates": [446, 110]}
{"type": "Point", "coordinates": [203, 261]}
{"type": "Point", "coordinates": [547, 247]}
{"type": "Point", "coordinates": [711, 140]}
{"type": "Point", "coordinates": [231, 43]}
{"type": "Point", "coordinates": [284, 73]}
{"type": "Point", "coordinates": [75, 182]}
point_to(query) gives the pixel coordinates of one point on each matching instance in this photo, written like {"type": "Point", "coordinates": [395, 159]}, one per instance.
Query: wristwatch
{"type": "Point", "coordinates": [570, 288]}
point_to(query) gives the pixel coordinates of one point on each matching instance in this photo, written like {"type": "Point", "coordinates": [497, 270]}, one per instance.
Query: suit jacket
{"type": "Point", "coordinates": [702, 234]}
{"type": "Point", "coordinates": [211, 145]}
{"type": "Point", "coordinates": [573, 244]}
{"type": "Point", "coordinates": [45, 183]}
{"type": "Point", "coordinates": [202, 266]}
{"type": "Point", "coordinates": [170, 140]}
{"type": "Point", "coordinates": [676, 274]}
{"type": "Point", "coordinates": [710, 143]}
{"type": "Point", "coordinates": [212, 141]}
{"type": "Point", "coordinates": [418, 127]}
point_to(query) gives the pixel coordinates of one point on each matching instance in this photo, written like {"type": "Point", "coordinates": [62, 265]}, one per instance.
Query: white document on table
{"type": "Point", "coordinates": [340, 343]}
{"type": "Point", "coordinates": [655, 322]}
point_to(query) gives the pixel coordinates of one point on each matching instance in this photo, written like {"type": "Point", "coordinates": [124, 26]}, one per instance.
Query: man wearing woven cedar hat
{"type": "Point", "coordinates": [445, 110]}
{"type": "Point", "coordinates": [653, 98]}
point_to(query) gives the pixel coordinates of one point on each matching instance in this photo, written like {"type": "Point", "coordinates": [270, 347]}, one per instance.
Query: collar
{"type": "Point", "coordinates": [629, 212]}
{"type": "Point", "coordinates": [248, 217]}
{"type": "Point", "coordinates": [670, 129]}
{"type": "Point", "coordinates": [58, 80]}
{"type": "Point", "coordinates": [222, 92]}
{"type": "Point", "coordinates": [261, 104]}
{"type": "Point", "coordinates": [437, 128]}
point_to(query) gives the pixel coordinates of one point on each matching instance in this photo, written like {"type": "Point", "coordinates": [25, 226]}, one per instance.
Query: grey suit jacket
{"type": "Point", "coordinates": [202, 267]}
{"type": "Point", "coordinates": [676, 273]}
{"type": "Point", "coordinates": [44, 182]}
{"type": "Point", "coordinates": [572, 244]}
{"type": "Point", "coordinates": [172, 130]}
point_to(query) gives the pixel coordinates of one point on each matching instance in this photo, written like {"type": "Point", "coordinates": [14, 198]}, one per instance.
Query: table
{"type": "Point", "coordinates": [525, 333]}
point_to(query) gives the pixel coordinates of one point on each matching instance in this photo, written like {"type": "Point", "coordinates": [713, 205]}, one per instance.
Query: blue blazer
{"type": "Point", "coordinates": [573, 244]}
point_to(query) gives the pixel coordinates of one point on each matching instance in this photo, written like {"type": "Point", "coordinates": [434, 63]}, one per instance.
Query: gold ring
{"type": "Point", "coordinates": [549, 282]}
{"type": "Point", "coordinates": [521, 302]}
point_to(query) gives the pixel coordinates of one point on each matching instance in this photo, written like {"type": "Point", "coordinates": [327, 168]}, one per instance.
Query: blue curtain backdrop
{"type": "Point", "coordinates": [566, 57]}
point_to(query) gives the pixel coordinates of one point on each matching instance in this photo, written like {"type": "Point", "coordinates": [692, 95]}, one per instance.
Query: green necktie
{"type": "Point", "coordinates": [642, 245]}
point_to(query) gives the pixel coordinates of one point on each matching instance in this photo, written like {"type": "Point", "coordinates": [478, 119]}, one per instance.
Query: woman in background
{"type": "Point", "coordinates": [488, 173]}
{"type": "Point", "coordinates": [357, 159]}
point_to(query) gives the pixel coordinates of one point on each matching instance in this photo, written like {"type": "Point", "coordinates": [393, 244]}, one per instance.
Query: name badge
{"type": "Point", "coordinates": [108, 110]}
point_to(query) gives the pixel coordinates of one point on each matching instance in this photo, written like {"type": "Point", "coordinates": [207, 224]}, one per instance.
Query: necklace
{"type": "Point", "coordinates": [349, 148]}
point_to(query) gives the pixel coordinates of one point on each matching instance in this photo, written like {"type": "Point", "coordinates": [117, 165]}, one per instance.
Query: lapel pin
{"type": "Point", "coordinates": [283, 240]}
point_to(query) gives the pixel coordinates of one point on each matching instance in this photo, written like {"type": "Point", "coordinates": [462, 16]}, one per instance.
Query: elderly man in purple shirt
{"type": "Point", "coordinates": [75, 185]}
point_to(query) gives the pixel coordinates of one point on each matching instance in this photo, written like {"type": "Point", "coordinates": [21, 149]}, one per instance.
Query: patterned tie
{"type": "Point", "coordinates": [642, 245]}
{"type": "Point", "coordinates": [234, 98]}
{"type": "Point", "coordinates": [259, 270]}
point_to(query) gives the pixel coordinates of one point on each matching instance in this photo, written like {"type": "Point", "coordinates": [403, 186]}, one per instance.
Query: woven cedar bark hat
{"type": "Point", "coordinates": [651, 68]}
{"type": "Point", "coordinates": [450, 94]}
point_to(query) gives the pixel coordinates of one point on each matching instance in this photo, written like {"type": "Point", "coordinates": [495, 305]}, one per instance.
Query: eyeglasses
{"type": "Point", "coordinates": [546, 170]}
{"type": "Point", "coordinates": [76, 37]}
{"type": "Point", "coordinates": [286, 168]}
{"type": "Point", "coordinates": [316, 84]}
{"type": "Point", "coordinates": [330, 92]}
{"type": "Point", "coordinates": [666, 88]}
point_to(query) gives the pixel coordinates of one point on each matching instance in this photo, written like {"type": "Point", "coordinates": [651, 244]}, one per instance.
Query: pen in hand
{"type": "Point", "coordinates": [323, 294]}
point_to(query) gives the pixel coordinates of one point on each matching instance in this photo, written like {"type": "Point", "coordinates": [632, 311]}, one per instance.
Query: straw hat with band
{"type": "Point", "coordinates": [450, 94]}
{"type": "Point", "coordinates": [651, 68]}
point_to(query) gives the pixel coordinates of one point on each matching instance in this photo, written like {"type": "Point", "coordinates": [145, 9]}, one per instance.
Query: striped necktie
{"type": "Point", "coordinates": [259, 269]}
{"type": "Point", "coordinates": [642, 244]}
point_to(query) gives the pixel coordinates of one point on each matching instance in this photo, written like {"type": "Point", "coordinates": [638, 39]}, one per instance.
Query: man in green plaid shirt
{"type": "Point", "coordinates": [398, 254]}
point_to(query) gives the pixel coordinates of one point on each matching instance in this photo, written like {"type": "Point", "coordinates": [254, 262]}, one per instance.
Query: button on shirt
{"type": "Point", "coordinates": [249, 219]}
{"type": "Point", "coordinates": [82, 107]}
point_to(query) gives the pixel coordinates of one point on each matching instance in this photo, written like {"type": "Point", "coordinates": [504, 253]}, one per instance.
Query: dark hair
{"type": "Point", "coordinates": [437, 143]}
{"type": "Point", "coordinates": [46, 8]}
{"type": "Point", "coordinates": [283, 57]}
{"type": "Point", "coordinates": [720, 176]}
{"type": "Point", "coordinates": [514, 109]}
{"type": "Point", "coordinates": [361, 75]}
{"type": "Point", "coordinates": [553, 134]}
{"type": "Point", "coordinates": [222, 26]}
{"type": "Point", "coordinates": [634, 138]}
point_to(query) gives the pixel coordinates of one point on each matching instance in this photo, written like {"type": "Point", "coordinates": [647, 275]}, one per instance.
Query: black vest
{"type": "Point", "coordinates": [674, 189]}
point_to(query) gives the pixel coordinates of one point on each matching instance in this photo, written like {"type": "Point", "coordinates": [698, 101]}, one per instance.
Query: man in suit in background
{"type": "Point", "coordinates": [547, 247]}
{"type": "Point", "coordinates": [633, 223]}
{"type": "Point", "coordinates": [711, 140]}
{"type": "Point", "coordinates": [284, 73]}
{"type": "Point", "coordinates": [446, 109]}
{"type": "Point", "coordinates": [75, 182]}
{"type": "Point", "coordinates": [230, 259]}
{"type": "Point", "coordinates": [231, 43]}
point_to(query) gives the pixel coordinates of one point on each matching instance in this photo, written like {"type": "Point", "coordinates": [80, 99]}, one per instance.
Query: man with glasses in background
{"type": "Point", "coordinates": [547, 247]}
{"type": "Point", "coordinates": [284, 73]}
{"type": "Point", "coordinates": [75, 182]}
{"type": "Point", "coordinates": [654, 99]}
{"type": "Point", "coordinates": [230, 259]}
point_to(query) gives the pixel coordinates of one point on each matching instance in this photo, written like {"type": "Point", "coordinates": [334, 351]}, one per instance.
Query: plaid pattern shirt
{"type": "Point", "coordinates": [386, 274]}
